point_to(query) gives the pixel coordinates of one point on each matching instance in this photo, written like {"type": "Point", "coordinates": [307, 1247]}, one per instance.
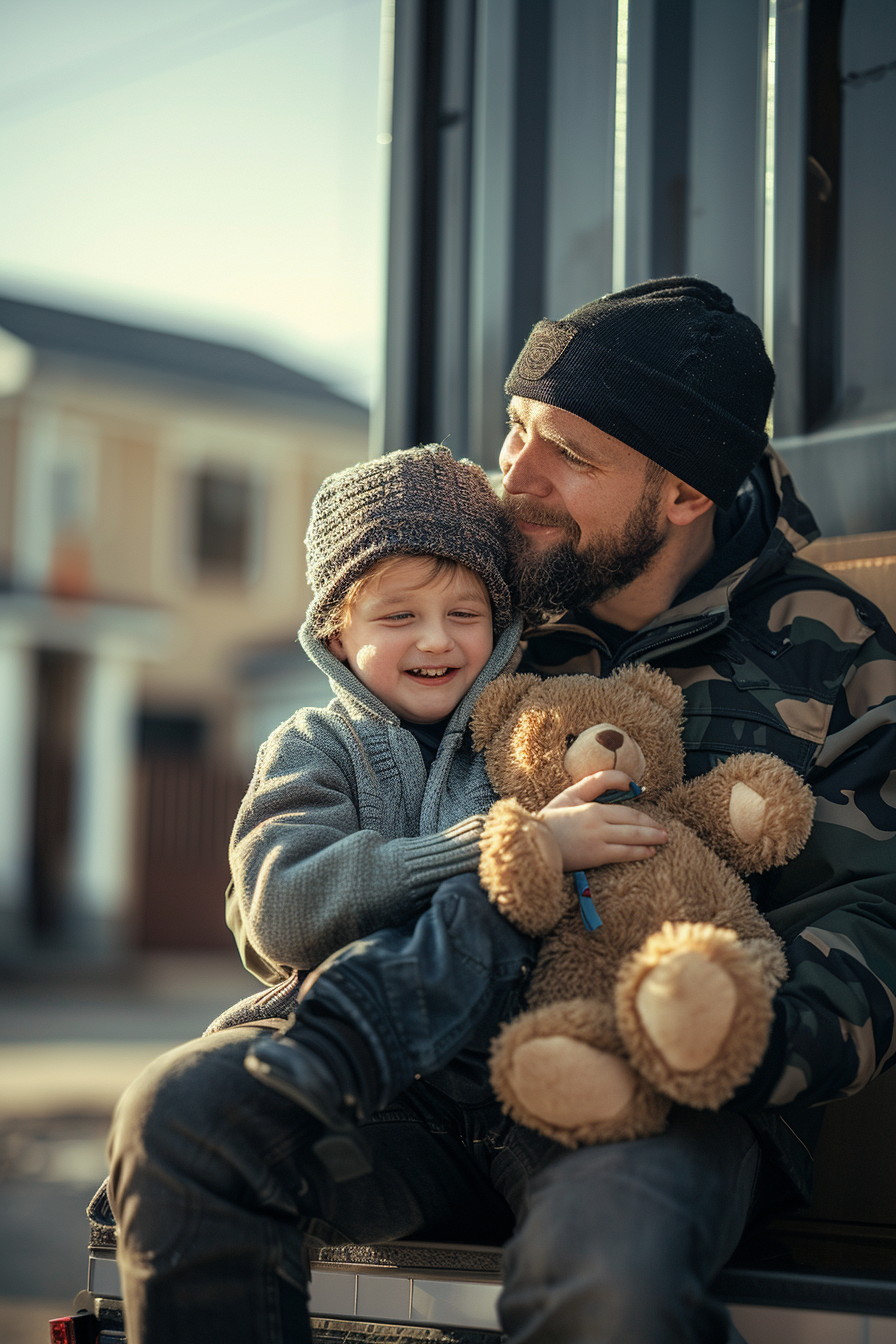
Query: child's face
{"type": "Point", "coordinates": [416, 641]}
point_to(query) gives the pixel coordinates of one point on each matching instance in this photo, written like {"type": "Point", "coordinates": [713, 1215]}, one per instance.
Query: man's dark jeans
{"type": "Point", "coordinates": [215, 1189]}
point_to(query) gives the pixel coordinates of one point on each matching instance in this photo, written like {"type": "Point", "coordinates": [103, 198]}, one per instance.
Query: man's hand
{"type": "Point", "coordinates": [591, 834]}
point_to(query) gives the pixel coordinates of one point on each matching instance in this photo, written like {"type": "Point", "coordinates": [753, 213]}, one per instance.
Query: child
{"type": "Point", "coordinates": [357, 814]}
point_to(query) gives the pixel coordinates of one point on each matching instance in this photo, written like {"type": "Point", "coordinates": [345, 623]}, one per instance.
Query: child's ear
{"type": "Point", "coordinates": [336, 647]}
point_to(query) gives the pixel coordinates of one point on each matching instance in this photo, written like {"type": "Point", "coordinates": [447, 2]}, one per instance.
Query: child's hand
{"type": "Point", "coordinates": [591, 834]}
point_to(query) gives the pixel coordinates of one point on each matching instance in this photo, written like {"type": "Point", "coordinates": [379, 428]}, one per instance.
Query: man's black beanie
{"type": "Point", "coordinates": [670, 367]}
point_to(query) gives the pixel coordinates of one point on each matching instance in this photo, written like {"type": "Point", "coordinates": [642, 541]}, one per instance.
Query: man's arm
{"type": "Point", "coordinates": [835, 906]}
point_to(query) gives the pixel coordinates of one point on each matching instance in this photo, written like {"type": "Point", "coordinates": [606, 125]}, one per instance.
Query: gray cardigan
{"type": "Point", "coordinates": [342, 832]}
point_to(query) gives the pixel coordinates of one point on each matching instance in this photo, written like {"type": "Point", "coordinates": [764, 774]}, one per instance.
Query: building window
{"type": "Point", "coordinates": [868, 204]}
{"type": "Point", "coordinates": [171, 734]}
{"type": "Point", "coordinates": [226, 523]}
{"type": "Point", "coordinates": [850, 213]}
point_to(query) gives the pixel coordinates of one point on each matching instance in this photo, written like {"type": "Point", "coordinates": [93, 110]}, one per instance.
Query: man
{"type": "Point", "coordinates": [654, 524]}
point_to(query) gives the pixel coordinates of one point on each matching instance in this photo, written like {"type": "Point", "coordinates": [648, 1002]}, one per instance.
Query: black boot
{"type": "Point", "coordinates": [295, 1071]}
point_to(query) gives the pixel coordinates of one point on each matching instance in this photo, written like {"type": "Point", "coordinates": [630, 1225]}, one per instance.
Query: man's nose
{"type": "Point", "coordinates": [521, 467]}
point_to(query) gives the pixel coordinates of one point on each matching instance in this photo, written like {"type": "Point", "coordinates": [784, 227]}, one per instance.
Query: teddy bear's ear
{"type": "Point", "coordinates": [650, 681]}
{"type": "Point", "coordinates": [497, 702]}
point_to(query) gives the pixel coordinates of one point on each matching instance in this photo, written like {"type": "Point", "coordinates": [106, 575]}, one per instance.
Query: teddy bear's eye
{"type": "Point", "coordinates": [570, 738]}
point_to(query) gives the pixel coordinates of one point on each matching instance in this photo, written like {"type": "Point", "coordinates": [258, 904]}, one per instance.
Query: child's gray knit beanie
{"type": "Point", "coordinates": [418, 501]}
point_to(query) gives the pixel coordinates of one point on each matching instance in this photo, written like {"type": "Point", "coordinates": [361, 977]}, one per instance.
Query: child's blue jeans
{"type": "Point", "coordinates": [418, 993]}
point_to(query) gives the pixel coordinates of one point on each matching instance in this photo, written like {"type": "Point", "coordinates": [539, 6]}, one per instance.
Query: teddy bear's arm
{"type": "Point", "coordinates": [752, 809]}
{"type": "Point", "coordinates": [521, 868]}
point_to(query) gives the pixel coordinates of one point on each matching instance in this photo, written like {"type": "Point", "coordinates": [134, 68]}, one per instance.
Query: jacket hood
{"type": "Point", "coordinates": [766, 525]}
{"type": "Point", "coordinates": [358, 700]}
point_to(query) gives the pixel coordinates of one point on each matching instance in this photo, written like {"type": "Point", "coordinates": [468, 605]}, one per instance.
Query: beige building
{"type": "Point", "coordinates": [154, 494]}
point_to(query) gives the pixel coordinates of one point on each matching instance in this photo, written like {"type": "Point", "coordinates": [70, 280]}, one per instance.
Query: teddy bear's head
{"type": "Point", "coordinates": [541, 736]}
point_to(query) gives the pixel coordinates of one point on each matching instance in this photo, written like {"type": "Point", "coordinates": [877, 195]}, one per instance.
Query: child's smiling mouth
{"type": "Point", "coordinates": [430, 673]}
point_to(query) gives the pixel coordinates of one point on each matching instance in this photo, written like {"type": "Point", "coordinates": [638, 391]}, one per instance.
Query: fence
{"type": "Point", "coordinates": [186, 809]}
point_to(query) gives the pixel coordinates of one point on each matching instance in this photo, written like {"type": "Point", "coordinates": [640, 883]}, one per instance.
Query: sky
{"type": "Point", "coordinates": [210, 168]}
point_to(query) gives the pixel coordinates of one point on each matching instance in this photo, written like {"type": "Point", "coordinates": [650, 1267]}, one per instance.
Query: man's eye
{"type": "Point", "coordinates": [577, 463]}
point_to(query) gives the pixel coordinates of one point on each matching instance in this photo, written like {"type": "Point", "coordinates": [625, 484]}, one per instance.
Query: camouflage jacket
{"type": "Point", "coordinates": [774, 654]}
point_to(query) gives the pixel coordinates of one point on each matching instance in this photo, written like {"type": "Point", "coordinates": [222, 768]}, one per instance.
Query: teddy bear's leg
{"type": "Point", "coordinates": [694, 1007]}
{"type": "Point", "coordinates": [558, 1069]}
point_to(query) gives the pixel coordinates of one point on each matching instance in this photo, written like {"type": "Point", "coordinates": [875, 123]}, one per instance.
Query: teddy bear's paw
{"type": "Point", "coordinates": [746, 812]}
{"type": "Point", "coordinates": [753, 809]}
{"type": "Point", "coordinates": [568, 1088]}
{"type": "Point", "coordinates": [568, 1083]}
{"type": "Point", "coordinates": [521, 868]}
{"type": "Point", "coordinates": [694, 1009]}
{"type": "Point", "coordinates": [770, 809]}
{"type": "Point", "coordinates": [686, 1005]}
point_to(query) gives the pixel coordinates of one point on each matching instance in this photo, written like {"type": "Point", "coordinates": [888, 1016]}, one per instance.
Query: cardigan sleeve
{"type": "Point", "coordinates": [307, 878]}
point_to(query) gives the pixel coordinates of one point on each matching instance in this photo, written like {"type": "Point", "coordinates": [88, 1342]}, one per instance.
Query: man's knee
{"type": "Point", "coordinates": [588, 1216]}
{"type": "Point", "coordinates": [178, 1092]}
{"type": "Point", "coordinates": [196, 1115]}
{"type": "Point", "coordinates": [593, 1263]}
{"type": "Point", "coordinates": [630, 1234]}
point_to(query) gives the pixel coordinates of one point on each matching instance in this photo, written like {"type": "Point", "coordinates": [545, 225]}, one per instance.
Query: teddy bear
{"type": "Point", "coordinates": [670, 999]}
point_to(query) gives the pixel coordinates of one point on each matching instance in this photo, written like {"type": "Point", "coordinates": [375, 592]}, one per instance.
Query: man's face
{"type": "Point", "coordinates": [586, 508]}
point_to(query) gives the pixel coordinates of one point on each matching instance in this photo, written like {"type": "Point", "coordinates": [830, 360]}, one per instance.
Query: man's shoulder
{"type": "Point", "coordinates": [770, 679]}
{"type": "Point", "coordinates": [802, 600]}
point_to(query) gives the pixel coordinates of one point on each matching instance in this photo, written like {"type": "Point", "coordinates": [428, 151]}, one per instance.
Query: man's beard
{"type": "Point", "coordinates": [562, 578]}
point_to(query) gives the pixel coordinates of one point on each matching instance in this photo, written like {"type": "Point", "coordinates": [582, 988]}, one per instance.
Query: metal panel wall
{"type": "Point", "coordinates": [492, 225]}
{"type": "Point", "coordinates": [547, 151]}
{"type": "Point", "coordinates": [581, 130]}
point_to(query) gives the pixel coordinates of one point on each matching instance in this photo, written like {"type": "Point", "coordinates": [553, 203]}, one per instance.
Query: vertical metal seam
{"type": "Point", "coordinates": [620, 146]}
{"type": "Point", "coordinates": [386, 73]}
{"type": "Point", "coordinates": [376, 442]}
{"type": "Point", "coordinates": [768, 231]}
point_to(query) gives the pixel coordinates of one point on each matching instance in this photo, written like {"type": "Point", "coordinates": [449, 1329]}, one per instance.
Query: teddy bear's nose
{"type": "Point", "coordinates": [610, 739]}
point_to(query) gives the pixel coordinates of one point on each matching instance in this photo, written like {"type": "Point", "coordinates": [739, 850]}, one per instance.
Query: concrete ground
{"type": "Point", "coordinates": [69, 1045]}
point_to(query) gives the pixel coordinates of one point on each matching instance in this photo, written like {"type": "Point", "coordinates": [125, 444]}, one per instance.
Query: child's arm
{"type": "Point", "coordinates": [307, 878]}
{"type": "Point", "coordinates": [590, 834]}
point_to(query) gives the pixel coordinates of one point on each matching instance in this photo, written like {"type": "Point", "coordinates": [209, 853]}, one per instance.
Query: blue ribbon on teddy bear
{"type": "Point", "coordinates": [588, 910]}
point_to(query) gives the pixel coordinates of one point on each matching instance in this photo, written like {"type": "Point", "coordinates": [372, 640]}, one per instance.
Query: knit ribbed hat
{"type": "Point", "coordinates": [418, 501]}
{"type": "Point", "coordinates": [669, 367]}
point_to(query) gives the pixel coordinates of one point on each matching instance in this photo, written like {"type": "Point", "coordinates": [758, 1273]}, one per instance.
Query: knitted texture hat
{"type": "Point", "coordinates": [669, 367]}
{"type": "Point", "coordinates": [418, 501]}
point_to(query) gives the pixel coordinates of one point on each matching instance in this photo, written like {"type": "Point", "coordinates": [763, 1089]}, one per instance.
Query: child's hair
{"type": "Point", "coordinates": [337, 618]}
{"type": "Point", "coordinates": [419, 501]}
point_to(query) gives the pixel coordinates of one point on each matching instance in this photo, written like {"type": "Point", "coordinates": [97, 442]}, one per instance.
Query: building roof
{"type": "Point", "coordinates": [60, 331]}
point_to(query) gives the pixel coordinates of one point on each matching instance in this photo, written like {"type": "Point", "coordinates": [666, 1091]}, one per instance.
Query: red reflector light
{"type": "Point", "coordinates": [81, 1329]}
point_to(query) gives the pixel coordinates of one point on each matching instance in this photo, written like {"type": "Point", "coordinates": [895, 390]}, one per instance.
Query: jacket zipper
{"type": "Point", "coordinates": [797, 1137]}
{"type": "Point", "coordinates": [719, 620]}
